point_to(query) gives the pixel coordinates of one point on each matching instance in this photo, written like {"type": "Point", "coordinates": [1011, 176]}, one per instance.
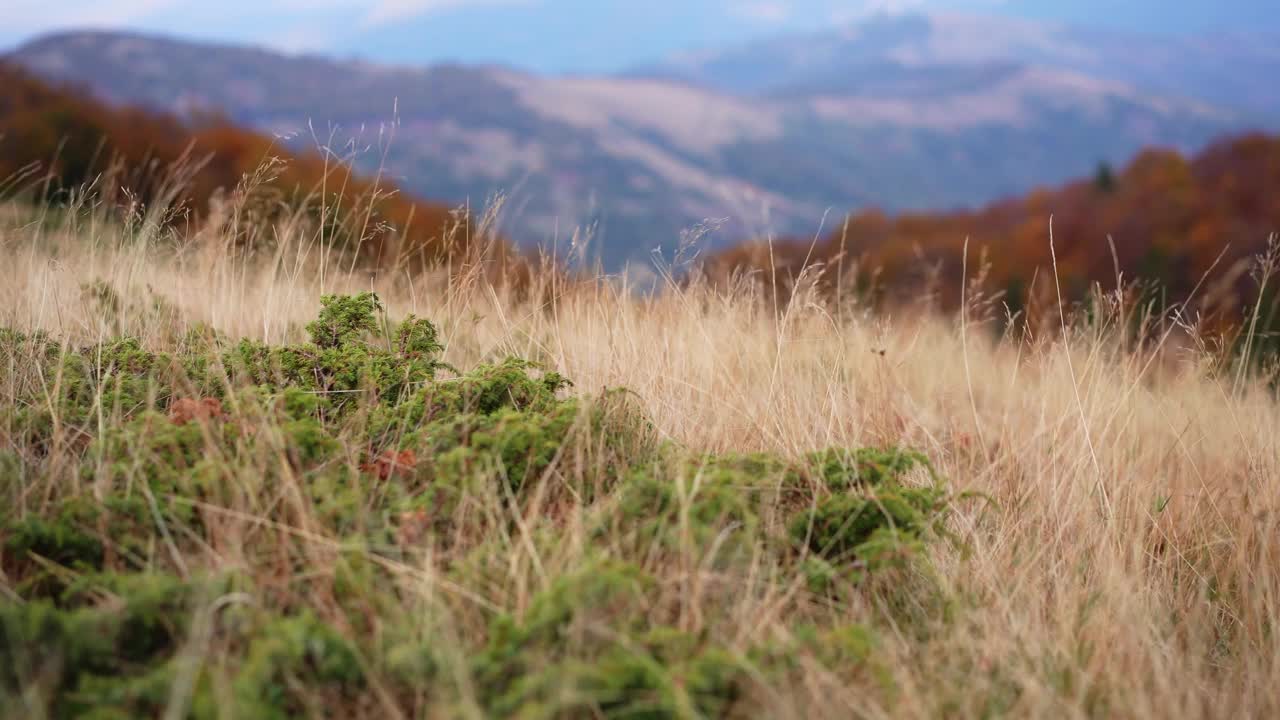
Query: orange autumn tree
{"type": "Point", "coordinates": [1173, 221]}
{"type": "Point", "coordinates": [59, 140]}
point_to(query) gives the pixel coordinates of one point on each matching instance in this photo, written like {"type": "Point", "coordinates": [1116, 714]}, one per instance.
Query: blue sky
{"type": "Point", "coordinates": [567, 35]}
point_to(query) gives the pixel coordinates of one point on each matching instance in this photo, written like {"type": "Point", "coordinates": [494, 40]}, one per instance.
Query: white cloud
{"type": "Point", "coordinates": [764, 11]}
{"type": "Point", "coordinates": [29, 17]}
{"type": "Point", "coordinates": [779, 12]}
{"type": "Point", "coordinates": [32, 16]}
{"type": "Point", "coordinates": [301, 39]}
{"type": "Point", "coordinates": [387, 11]}
{"type": "Point", "coordinates": [844, 14]}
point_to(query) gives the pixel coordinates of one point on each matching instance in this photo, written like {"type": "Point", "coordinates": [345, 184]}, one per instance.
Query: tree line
{"type": "Point", "coordinates": [59, 141]}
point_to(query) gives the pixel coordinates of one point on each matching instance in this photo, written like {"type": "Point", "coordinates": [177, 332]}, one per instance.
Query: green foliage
{"type": "Point", "coordinates": [344, 319]}
{"type": "Point", "coordinates": [82, 534]}
{"type": "Point", "coordinates": [585, 648]}
{"type": "Point", "coordinates": [840, 525]}
{"type": "Point", "coordinates": [484, 391]}
{"type": "Point", "coordinates": [841, 469]}
{"type": "Point", "coordinates": [111, 647]}
{"type": "Point", "coordinates": [74, 388]}
{"type": "Point", "coordinates": [694, 500]}
{"type": "Point", "coordinates": [662, 673]}
{"type": "Point", "coordinates": [297, 666]}
{"type": "Point", "coordinates": [837, 499]}
{"type": "Point", "coordinates": [340, 363]}
{"type": "Point", "coordinates": [334, 468]}
{"type": "Point", "coordinates": [112, 658]}
{"type": "Point", "coordinates": [417, 337]}
{"type": "Point", "coordinates": [63, 538]}
{"type": "Point", "coordinates": [517, 446]}
{"type": "Point", "coordinates": [520, 668]}
{"type": "Point", "coordinates": [167, 454]}
{"type": "Point", "coordinates": [872, 514]}
{"type": "Point", "coordinates": [490, 388]}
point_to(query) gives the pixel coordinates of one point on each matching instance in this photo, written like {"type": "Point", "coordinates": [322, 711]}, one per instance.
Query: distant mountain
{"type": "Point", "coordinates": [902, 112]}
{"type": "Point", "coordinates": [56, 139]}
{"type": "Point", "coordinates": [917, 54]}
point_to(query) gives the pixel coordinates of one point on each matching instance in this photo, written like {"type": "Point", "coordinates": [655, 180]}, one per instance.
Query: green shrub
{"type": "Point", "coordinates": [658, 505]}
{"type": "Point", "coordinates": [344, 320]}
{"type": "Point", "coordinates": [417, 338]}
{"type": "Point", "coordinates": [522, 661]}
{"type": "Point", "coordinates": [840, 469]}
{"type": "Point", "coordinates": [298, 666]}
{"type": "Point", "coordinates": [82, 534]}
{"type": "Point", "coordinates": [63, 539]}
{"type": "Point", "coordinates": [871, 515]}
{"type": "Point", "coordinates": [108, 659]}
{"type": "Point", "coordinates": [352, 450]}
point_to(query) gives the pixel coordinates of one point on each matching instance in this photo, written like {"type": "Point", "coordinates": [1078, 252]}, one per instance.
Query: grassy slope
{"type": "Point", "coordinates": [1126, 565]}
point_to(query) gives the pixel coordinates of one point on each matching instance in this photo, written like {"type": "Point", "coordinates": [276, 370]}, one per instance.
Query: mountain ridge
{"type": "Point", "coordinates": [636, 159]}
{"type": "Point", "coordinates": [952, 37]}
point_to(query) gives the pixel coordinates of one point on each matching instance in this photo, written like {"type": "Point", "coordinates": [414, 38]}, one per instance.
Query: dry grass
{"type": "Point", "coordinates": [1128, 564]}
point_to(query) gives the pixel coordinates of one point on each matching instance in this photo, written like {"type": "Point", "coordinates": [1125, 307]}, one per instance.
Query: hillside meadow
{"type": "Point", "coordinates": [277, 441]}
{"type": "Point", "coordinates": [262, 484]}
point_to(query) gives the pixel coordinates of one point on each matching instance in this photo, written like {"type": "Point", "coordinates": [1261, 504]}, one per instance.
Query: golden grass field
{"type": "Point", "coordinates": [1116, 551]}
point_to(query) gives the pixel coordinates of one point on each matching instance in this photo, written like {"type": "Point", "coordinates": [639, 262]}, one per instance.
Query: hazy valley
{"type": "Point", "coordinates": [895, 112]}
